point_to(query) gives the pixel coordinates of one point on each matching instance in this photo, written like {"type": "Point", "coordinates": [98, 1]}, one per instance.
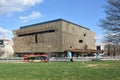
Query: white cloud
{"type": "Point", "coordinates": [10, 6]}
{"type": "Point", "coordinates": [33, 15]}
{"type": "Point", "coordinates": [99, 37]}
{"type": "Point", "coordinates": [4, 33]}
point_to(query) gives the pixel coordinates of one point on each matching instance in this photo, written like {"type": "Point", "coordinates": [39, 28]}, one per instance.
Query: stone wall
{"type": "Point", "coordinates": [76, 37]}
{"type": "Point", "coordinates": [56, 36]}
{"type": "Point", "coordinates": [46, 41]}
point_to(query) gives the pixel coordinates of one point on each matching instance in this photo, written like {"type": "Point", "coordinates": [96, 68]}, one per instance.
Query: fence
{"type": "Point", "coordinates": [84, 58]}
{"type": "Point", "coordinates": [11, 60]}
{"type": "Point", "coordinates": [59, 59]}
{"type": "Point", "coordinates": [111, 58]}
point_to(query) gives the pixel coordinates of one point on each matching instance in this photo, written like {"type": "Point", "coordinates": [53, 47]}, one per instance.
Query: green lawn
{"type": "Point", "coordinates": [91, 70]}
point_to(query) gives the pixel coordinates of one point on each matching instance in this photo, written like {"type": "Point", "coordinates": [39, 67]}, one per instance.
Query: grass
{"type": "Point", "coordinates": [91, 70]}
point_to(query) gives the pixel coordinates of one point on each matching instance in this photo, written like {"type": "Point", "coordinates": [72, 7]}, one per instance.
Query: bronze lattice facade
{"type": "Point", "coordinates": [54, 36]}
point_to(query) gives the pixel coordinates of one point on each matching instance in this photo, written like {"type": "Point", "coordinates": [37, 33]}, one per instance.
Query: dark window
{"type": "Point", "coordinates": [84, 34]}
{"type": "Point", "coordinates": [27, 34]}
{"type": "Point", "coordinates": [80, 41]}
{"type": "Point", "coordinates": [42, 32]}
{"type": "Point", "coordinates": [36, 38]}
{"type": "Point", "coordinates": [1, 42]}
{"type": "Point", "coordinates": [98, 48]}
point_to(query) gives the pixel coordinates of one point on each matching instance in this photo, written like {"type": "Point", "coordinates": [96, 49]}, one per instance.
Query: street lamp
{"type": "Point", "coordinates": [84, 48]}
{"type": "Point", "coordinates": [49, 52]}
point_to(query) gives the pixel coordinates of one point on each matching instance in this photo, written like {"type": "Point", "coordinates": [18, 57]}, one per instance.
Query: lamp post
{"type": "Point", "coordinates": [84, 48]}
{"type": "Point", "coordinates": [49, 55]}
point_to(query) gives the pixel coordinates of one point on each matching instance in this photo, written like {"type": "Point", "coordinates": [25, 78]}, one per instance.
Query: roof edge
{"type": "Point", "coordinates": [60, 19]}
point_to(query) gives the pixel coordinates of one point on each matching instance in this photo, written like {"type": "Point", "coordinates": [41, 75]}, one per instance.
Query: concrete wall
{"type": "Point", "coordinates": [73, 34]}
{"type": "Point", "coordinates": [45, 42]}
{"type": "Point", "coordinates": [66, 35]}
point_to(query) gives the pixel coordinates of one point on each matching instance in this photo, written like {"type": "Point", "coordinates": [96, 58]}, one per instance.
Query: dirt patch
{"type": "Point", "coordinates": [97, 65]}
{"type": "Point", "coordinates": [92, 65]}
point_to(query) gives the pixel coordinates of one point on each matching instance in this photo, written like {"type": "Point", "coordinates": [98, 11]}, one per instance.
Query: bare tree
{"type": "Point", "coordinates": [112, 50]}
{"type": "Point", "coordinates": [111, 23]}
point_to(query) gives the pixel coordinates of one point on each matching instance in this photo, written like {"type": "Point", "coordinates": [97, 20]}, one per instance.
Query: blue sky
{"type": "Point", "coordinates": [17, 13]}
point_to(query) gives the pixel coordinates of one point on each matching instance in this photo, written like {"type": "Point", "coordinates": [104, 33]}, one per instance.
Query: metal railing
{"type": "Point", "coordinates": [84, 58]}
{"type": "Point", "coordinates": [59, 59]}
{"type": "Point", "coordinates": [11, 60]}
